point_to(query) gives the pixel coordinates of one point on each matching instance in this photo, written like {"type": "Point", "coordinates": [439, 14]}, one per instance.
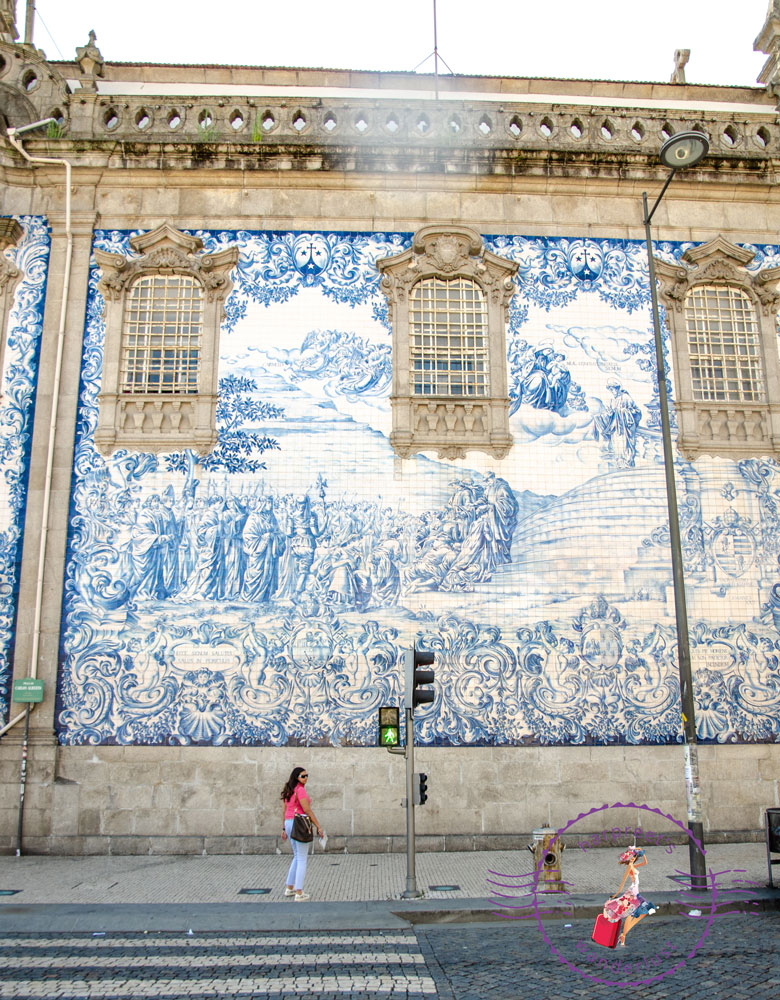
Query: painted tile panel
{"type": "Point", "coordinates": [263, 594]}
{"type": "Point", "coordinates": [19, 382]}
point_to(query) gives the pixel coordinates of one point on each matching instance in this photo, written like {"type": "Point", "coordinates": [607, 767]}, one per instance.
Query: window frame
{"type": "Point", "coordinates": [11, 233]}
{"type": "Point", "coordinates": [736, 370]}
{"type": "Point", "coordinates": [156, 421]}
{"type": "Point", "coordinates": [430, 357]}
{"type": "Point", "coordinates": [138, 372]}
{"type": "Point", "coordinates": [726, 428]}
{"type": "Point", "coordinates": [450, 424]}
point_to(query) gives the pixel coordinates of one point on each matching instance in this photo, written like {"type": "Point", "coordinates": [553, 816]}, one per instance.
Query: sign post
{"type": "Point", "coordinates": [26, 690]}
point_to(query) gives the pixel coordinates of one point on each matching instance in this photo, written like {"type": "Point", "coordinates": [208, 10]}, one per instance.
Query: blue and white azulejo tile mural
{"type": "Point", "coordinates": [263, 594]}
{"type": "Point", "coordinates": [30, 259]}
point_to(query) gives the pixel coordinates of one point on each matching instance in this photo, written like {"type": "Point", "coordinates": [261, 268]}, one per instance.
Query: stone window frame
{"type": "Point", "coordinates": [10, 276]}
{"type": "Point", "coordinates": [153, 421]}
{"type": "Point", "coordinates": [449, 425]}
{"type": "Point", "coordinates": [726, 429]}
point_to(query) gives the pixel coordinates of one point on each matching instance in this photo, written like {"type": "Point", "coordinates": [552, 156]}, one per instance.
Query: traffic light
{"type": "Point", "coordinates": [420, 789]}
{"type": "Point", "coordinates": [389, 727]}
{"type": "Point", "coordinates": [415, 677]}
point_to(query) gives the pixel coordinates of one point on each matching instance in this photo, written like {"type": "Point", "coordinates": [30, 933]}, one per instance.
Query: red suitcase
{"type": "Point", "coordinates": [606, 933]}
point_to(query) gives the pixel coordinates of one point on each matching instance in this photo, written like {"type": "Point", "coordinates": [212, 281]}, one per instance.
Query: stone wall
{"type": "Point", "coordinates": [148, 800]}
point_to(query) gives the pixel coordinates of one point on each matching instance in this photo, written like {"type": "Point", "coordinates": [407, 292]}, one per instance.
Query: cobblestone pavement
{"type": "Point", "coordinates": [738, 958]}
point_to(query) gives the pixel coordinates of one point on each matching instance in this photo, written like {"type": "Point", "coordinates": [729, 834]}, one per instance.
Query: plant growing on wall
{"type": "Point", "coordinates": [257, 128]}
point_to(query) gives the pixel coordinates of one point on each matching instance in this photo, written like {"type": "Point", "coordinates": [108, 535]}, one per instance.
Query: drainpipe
{"type": "Point", "coordinates": [12, 134]}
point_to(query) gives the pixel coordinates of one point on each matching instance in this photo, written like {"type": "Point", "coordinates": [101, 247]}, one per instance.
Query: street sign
{"type": "Point", "coordinates": [28, 689]}
{"type": "Point", "coordinates": [389, 727]}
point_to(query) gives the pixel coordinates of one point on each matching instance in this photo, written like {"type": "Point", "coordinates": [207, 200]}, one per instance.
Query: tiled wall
{"type": "Point", "coordinates": [19, 381]}
{"type": "Point", "coordinates": [262, 595]}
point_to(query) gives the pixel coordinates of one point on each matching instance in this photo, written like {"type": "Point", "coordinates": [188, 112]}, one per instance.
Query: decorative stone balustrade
{"type": "Point", "coordinates": [396, 123]}
{"type": "Point", "coordinates": [728, 430]}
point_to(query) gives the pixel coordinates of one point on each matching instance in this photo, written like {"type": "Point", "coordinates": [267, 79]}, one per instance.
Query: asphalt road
{"type": "Point", "coordinates": [739, 957]}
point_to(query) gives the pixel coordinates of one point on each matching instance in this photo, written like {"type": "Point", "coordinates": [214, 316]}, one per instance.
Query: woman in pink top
{"type": "Point", "coordinates": [296, 801]}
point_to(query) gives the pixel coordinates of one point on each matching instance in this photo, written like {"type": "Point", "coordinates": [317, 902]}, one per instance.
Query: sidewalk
{"type": "Point", "coordinates": [349, 892]}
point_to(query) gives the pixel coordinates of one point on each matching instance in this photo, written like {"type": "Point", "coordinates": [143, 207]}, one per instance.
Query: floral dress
{"type": "Point", "coordinates": [630, 904]}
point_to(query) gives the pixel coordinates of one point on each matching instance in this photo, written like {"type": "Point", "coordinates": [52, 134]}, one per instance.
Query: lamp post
{"type": "Point", "coordinates": [683, 150]}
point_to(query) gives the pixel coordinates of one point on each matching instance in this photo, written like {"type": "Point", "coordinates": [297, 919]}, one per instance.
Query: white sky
{"type": "Point", "coordinates": [601, 39]}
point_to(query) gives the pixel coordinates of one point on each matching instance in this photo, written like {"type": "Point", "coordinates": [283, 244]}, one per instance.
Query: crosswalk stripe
{"type": "Point", "coordinates": [308, 985]}
{"type": "Point", "coordinates": [204, 940]}
{"type": "Point", "coordinates": [208, 961]}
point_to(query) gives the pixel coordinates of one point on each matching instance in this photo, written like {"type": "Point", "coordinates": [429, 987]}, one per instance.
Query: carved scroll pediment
{"type": "Point", "coordinates": [166, 250]}
{"type": "Point", "coordinates": [447, 251]}
{"type": "Point", "coordinates": [166, 235]}
{"type": "Point", "coordinates": [718, 262]}
{"type": "Point", "coordinates": [718, 249]}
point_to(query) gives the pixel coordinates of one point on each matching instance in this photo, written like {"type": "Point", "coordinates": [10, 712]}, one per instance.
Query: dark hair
{"type": "Point", "coordinates": [289, 789]}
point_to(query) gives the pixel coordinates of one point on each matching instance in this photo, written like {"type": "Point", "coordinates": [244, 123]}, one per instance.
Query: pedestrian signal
{"type": "Point", "coordinates": [389, 727]}
{"type": "Point", "coordinates": [416, 676]}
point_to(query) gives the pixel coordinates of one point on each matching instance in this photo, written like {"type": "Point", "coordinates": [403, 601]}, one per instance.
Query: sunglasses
{"type": "Point", "coordinates": [302, 776]}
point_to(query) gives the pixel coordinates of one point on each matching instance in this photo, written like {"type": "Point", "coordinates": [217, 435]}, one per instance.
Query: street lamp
{"type": "Point", "coordinates": [681, 151]}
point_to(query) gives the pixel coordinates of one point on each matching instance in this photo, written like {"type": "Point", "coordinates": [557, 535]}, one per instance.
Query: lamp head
{"type": "Point", "coordinates": [684, 150]}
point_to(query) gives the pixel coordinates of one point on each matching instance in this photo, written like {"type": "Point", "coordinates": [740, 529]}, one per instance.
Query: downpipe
{"type": "Point", "coordinates": [12, 135]}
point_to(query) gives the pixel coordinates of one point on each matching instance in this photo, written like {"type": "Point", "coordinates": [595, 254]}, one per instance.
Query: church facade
{"type": "Point", "coordinates": [304, 367]}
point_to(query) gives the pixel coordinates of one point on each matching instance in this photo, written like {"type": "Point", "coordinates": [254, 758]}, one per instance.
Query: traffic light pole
{"type": "Point", "coordinates": [414, 659]}
{"type": "Point", "coordinates": [412, 892]}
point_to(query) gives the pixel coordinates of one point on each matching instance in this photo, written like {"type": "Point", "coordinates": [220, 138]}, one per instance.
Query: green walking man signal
{"type": "Point", "coordinates": [389, 727]}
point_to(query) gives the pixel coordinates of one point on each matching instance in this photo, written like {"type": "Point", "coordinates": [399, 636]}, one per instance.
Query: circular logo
{"type": "Point", "coordinates": [613, 968]}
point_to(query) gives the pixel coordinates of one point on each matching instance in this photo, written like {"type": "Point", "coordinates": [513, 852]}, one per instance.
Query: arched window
{"type": "Point", "coordinates": [161, 336]}
{"type": "Point", "coordinates": [448, 338]}
{"type": "Point", "coordinates": [724, 345]}
{"type": "Point", "coordinates": [163, 310]}
{"type": "Point", "coordinates": [448, 298]}
{"type": "Point", "coordinates": [725, 365]}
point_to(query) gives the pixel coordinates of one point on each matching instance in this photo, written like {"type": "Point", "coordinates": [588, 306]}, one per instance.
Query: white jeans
{"type": "Point", "coordinates": [297, 872]}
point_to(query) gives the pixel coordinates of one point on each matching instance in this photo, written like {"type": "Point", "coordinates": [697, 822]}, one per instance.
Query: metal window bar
{"type": "Point", "coordinates": [724, 346]}
{"type": "Point", "coordinates": [161, 341]}
{"type": "Point", "coordinates": [448, 338]}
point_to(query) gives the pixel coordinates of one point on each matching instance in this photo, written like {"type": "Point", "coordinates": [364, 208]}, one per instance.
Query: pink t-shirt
{"type": "Point", "coordinates": [295, 800]}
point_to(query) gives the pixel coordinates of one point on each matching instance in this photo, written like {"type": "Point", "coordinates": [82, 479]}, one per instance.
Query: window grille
{"type": "Point", "coordinates": [448, 338]}
{"type": "Point", "coordinates": [724, 345]}
{"type": "Point", "coordinates": [161, 342]}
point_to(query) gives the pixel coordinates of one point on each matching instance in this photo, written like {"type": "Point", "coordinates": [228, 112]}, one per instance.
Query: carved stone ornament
{"type": "Point", "coordinates": [451, 426]}
{"type": "Point", "coordinates": [166, 250]}
{"type": "Point", "coordinates": [681, 57]}
{"type": "Point", "coordinates": [149, 421]}
{"type": "Point", "coordinates": [717, 262]}
{"type": "Point", "coordinates": [10, 275]}
{"type": "Point", "coordinates": [728, 428]}
{"type": "Point", "coordinates": [768, 41]}
{"type": "Point", "coordinates": [90, 61]}
{"type": "Point", "coordinates": [8, 30]}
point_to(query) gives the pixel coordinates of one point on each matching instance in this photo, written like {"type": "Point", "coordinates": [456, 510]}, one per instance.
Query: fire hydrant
{"type": "Point", "coordinates": [547, 859]}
